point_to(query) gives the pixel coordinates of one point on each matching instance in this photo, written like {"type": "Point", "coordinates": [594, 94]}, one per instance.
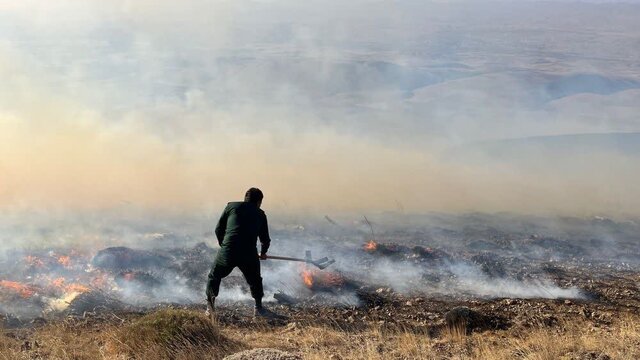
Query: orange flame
{"type": "Point", "coordinates": [371, 246]}
{"type": "Point", "coordinates": [99, 281]}
{"type": "Point", "coordinates": [64, 261]}
{"type": "Point", "coordinates": [23, 290]}
{"type": "Point", "coordinates": [307, 277]}
{"type": "Point", "coordinates": [315, 278]}
{"type": "Point", "coordinates": [33, 261]}
{"type": "Point", "coordinates": [60, 284]}
{"type": "Point", "coordinates": [77, 288]}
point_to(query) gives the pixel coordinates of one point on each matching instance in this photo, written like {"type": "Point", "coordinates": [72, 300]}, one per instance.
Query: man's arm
{"type": "Point", "coordinates": [263, 234]}
{"type": "Point", "coordinates": [221, 228]}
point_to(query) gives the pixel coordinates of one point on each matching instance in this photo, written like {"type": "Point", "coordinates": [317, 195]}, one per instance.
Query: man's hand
{"type": "Point", "coordinates": [263, 256]}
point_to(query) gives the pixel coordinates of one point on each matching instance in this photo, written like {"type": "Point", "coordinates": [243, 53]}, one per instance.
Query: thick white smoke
{"type": "Point", "coordinates": [172, 106]}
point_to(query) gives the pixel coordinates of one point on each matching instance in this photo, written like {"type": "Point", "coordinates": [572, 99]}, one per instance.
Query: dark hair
{"type": "Point", "coordinates": [253, 195]}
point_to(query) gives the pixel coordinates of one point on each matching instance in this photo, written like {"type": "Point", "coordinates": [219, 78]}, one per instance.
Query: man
{"type": "Point", "coordinates": [240, 224]}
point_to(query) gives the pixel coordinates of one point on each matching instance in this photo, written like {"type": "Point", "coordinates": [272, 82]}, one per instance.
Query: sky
{"type": "Point", "coordinates": [325, 105]}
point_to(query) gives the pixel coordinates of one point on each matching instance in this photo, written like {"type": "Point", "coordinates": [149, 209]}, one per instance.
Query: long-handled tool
{"type": "Point", "coordinates": [320, 263]}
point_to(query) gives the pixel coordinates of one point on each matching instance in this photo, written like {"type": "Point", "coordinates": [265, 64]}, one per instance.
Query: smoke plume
{"type": "Point", "coordinates": [174, 107]}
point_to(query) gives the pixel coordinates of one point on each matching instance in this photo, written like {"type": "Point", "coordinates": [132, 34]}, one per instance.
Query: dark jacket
{"type": "Point", "coordinates": [239, 227]}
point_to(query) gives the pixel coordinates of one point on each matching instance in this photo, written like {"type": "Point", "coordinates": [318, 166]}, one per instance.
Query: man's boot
{"type": "Point", "coordinates": [211, 301]}
{"type": "Point", "coordinates": [265, 313]}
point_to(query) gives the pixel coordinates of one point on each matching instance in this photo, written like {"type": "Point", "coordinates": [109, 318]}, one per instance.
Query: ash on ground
{"type": "Point", "coordinates": [391, 270]}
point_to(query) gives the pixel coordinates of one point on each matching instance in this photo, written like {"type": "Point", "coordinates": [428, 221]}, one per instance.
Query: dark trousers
{"type": "Point", "coordinates": [249, 266]}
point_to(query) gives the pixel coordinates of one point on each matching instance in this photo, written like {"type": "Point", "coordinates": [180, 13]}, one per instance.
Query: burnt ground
{"type": "Point", "coordinates": [514, 277]}
{"type": "Point", "coordinates": [611, 295]}
{"type": "Point", "coordinates": [383, 309]}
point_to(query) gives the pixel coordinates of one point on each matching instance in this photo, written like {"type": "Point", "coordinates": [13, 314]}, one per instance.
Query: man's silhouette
{"type": "Point", "coordinates": [238, 229]}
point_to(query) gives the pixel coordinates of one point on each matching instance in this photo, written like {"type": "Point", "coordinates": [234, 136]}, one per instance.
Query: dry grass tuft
{"type": "Point", "coordinates": [180, 334]}
{"type": "Point", "coordinates": [170, 334]}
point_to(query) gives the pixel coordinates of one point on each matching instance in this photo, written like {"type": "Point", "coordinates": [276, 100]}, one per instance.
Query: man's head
{"type": "Point", "coordinates": [254, 195]}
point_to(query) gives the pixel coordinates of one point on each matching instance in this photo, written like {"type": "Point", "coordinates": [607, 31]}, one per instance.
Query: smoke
{"type": "Point", "coordinates": [471, 280]}
{"type": "Point", "coordinates": [450, 259]}
{"type": "Point", "coordinates": [133, 122]}
{"type": "Point", "coordinates": [174, 107]}
{"type": "Point", "coordinates": [402, 275]}
{"type": "Point", "coordinates": [174, 290]}
{"type": "Point", "coordinates": [459, 278]}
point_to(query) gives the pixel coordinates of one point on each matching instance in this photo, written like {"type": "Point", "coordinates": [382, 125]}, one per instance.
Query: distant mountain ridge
{"type": "Point", "coordinates": [587, 83]}
{"type": "Point", "coordinates": [601, 143]}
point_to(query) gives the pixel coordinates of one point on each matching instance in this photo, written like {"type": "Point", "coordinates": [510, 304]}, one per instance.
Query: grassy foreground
{"type": "Point", "coordinates": [185, 334]}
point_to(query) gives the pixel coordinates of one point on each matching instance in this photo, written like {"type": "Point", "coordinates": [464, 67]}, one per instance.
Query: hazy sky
{"type": "Point", "coordinates": [324, 104]}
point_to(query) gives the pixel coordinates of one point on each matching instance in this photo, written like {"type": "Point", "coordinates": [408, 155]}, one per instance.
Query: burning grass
{"type": "Point", "coordinates": [371, 246]}
{"type": "Point", "coordinates": [21, 289]}
{"type": "Point", "coordinates": [381, 300]}
{"type": "Point", "coordinates": [319, 279]}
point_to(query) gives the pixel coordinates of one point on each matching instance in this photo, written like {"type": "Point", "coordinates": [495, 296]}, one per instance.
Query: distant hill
{"type": "Point", "coordinates": [627, 144]}
{"type": "Point", "coordinates": [586, 83]}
